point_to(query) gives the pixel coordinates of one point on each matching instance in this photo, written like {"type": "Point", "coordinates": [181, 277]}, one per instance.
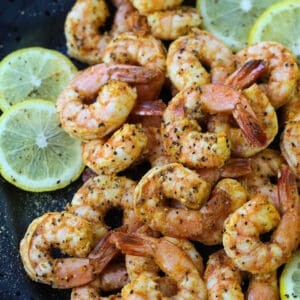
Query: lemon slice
{"type": "Point", "coordinates": [232, 20]}
{"type": "Point", "coordinates": [290, 278]}
{"type": "Point", "coordinates": [33, 73]}
{"type": "Point", "coordinates": [36, 154]}
{"type": "Point", "coordinates": [280, 23]}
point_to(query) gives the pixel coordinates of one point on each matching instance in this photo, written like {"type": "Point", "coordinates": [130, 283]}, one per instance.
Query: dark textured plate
{"type": "Point", "coordinates": [27, 23]}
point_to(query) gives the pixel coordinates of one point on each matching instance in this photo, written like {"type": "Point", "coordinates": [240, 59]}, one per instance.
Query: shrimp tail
{"type": "Point", "coordinates": [133, 74]}
{"type": "Point", "coordinates": [287, 188]}
{"type": "Point", "coordinates": [236, 167]}
{"type": "Point", "coordinates": [249, 125]}
{"type": "Point", "coordinates": [132, 243]}
{"type": "Point", "coordinates": [247, 74]}
{"type": "Point", "coordinates": [149, 108]}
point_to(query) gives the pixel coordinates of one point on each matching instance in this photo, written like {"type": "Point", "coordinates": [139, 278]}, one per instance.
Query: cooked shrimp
{"type": "Point", "coordinates": [112, 278]}
{"type": "Point", "coordinates": [290, 143]}
{"type": "Point", "coordinates": [84, 42]}
{"type": "Point", "coordinates": [187, 53]}
{"type": "Point", "coordinates": [173, 181]}
{"type": "Point", "coordinates": [73, 236]}
{"type": "Point", "coordinates": [181, 133]}
{"type": "Point", "coordinates": [144, 50]}
{"type": "Point", "coordinates": [117, 153]}
{"type": "Point", "coordinates": [263, 286]}
{"type": "Point", "coordinates": [115, 99]}
{"type": "Point", "coordinates": [171, 24]}
{"type": "Point", "coordinates": [97, 196]}
{"type": "Point", "coordinates": [222, 278]}
{"type": "Point", "coordinates": [266, 118]}
{"type": "Point", "coordinates": [264, 166]}
{"type": "Point", "coordinates": [282, 70]}
{"type": "Point", "coordinates": [257, 216]}
{"type": "Point", "coordinates": [148, 6]}
{"type": "Point", "coordinates": [171, 259]}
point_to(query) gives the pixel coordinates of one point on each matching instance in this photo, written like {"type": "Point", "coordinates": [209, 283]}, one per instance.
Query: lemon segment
{"type": "Point", "coordinates": [36, 154]}
{"type": "Point", "coordinates": [33, 73]}
{"type": "Point", "coordinates": [290, 278]}
{"type": "Point", "coordinates": [232, 20]}
{"type": "Point", "coordinates": [279, 23]}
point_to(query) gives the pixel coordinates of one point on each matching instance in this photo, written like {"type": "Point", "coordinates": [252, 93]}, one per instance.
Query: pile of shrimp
{"type": "Point", "coordinates": [206, 122]}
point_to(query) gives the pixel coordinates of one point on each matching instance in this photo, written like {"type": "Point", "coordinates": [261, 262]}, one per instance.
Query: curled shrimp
{"type": "Point", "coordinates": [115, 99]}
{"type": "Point", "coordinates": [222, 278]}
{"type": "Point", "coordinates": [97, 196]}
{"type": "Point", "coordinates": [184, 67]}
{"type": "Point", "coordinates": [73, 236]}
{"type": "Point", "coordinates": [266, 119]}
{"type": "Point", "coordinates": [171, 259]}
{"type": "Point", "coordinates": [146, 6]}
{"type": "Point", "coordinates": [282, 70]}
{"type": "Point", "coordinates": [243, 227]}
{"type": "Point", "coordinates": [290, 142]}
{"type": "Point", "coordinates": [144, 50]}
{"type": "Point", "coordinates": [181, 133]}
{"type": "Point", "coordinates": [117, 153]}
{"type": "Point", "coordinates": [175, 182]}
{"type": "Point", "coordinates": [264, 167]}
{"type": "Point", "coordinates": [84, 42]}
{"type": "Point", "coordinates": [171, 24]}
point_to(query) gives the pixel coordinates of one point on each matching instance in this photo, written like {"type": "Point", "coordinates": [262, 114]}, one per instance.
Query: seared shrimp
{"type": "Point", "coordinates": [171, 24]}
{"type": "Point", "coordinates": [266, 118]}
{"type": "Point", "coordinates": [187, 53]}
{"type": "Point", "coordinates": [84, 42]}
{"type": "Point", "coordinates": [181, 133]}
{"type": "Point", "coordinates": [148, 6]}
{"type": "Point", "coordinates": [263, 286]}
{"type": "Point", "coordinates": [97, 196]}
{"type": "Point", "coordinates": [282, 70]}
{"type": "Point", "coordinates": [144, 50]}
{"type": "Point", "coordinates": [117, 153]}
{"type": "Point", "coordinates": [171, 259]}
{"type": "Point", "coordinates": [115, 99]}
{"type": "Point", "coordinates": [175, 182]}
{"type": "Point", "coordinates": [73, 236]}
{"type": "Point", "coordinates": [290, 143]}
{"type": "Point", "coordinates": [257, 216]}
{"type": "Point", "coordinates": [222, 278]}
{"type": "Point", "coordinates": [264, 166]}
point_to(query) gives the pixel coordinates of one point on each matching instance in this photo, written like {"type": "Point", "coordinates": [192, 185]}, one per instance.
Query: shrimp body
{"type": "Point", "coordinates": [171, 259]}
{"type": "Point", "coordinates": [266, 118]}
{"type": "Point", "coordinates": [184, 67]}
{"type": "Point", "coordinates": [257, 216]}
{"type": "Point", "coordinates": [282, 70]}
{"type": "Point", "coordinates": [115, 99]}
{"type": "Point", "coordinates": [223, 279]}
{"type": "Point", "coordinates": [73, 236]}
{"type": "Point", "coordinates": [171, 24]}
{"type": "Point", "coordinates": [264, 166]}
{"type": "Point", "coordinates": [117, 153]}
{"type": "Point", "coordinates": [290, 144]}
{"type": "Point", "coordinates": [181, 133]}
{"type": "Point", "coordinates": [84, 42]}
{"type": "Point", "coordinates": [97, 196]}
{"type": "Point", "coordinates": [146, 6]}
{"type": "Point", "coordinates": [173, 181]}
{"type": "Point", "coordinates": [144, 50]}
